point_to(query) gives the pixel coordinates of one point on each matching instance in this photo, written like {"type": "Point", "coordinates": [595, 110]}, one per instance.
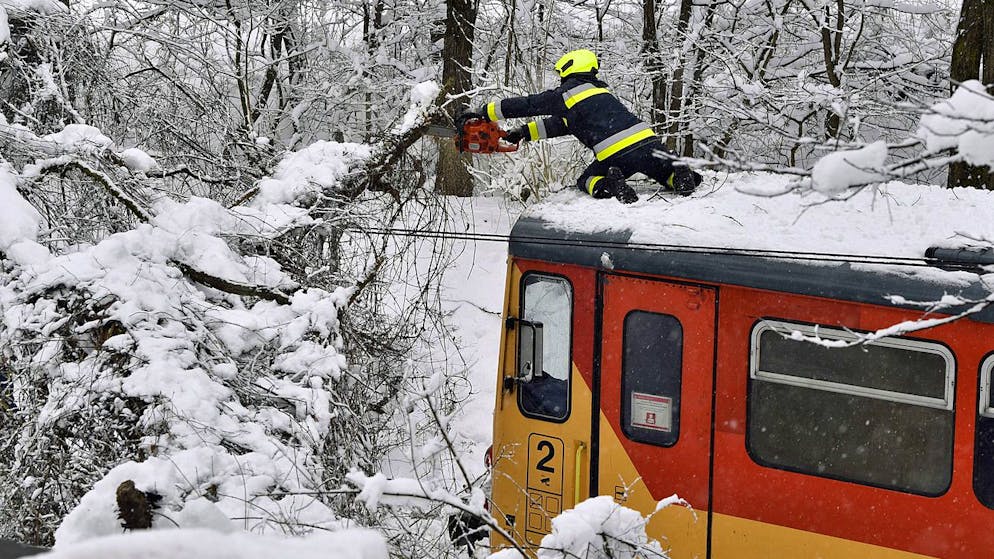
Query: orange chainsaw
{"type": "Point", "coordinates": [477, 136]}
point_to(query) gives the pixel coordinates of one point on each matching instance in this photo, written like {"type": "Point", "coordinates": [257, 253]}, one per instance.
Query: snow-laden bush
{"type": "Point", "coordinates": [598, 528]}
{"type": "Point", "coordinates": [113, 357]}
{"type": "Point", "coordinates": [197, 351]}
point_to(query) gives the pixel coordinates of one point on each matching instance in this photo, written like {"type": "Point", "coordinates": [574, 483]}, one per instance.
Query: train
{"type": "Point", "coordinates": [639, 370]}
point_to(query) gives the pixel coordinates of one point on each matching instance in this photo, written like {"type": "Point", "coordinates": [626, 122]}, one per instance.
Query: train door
{"type": "Point", "coordinates": [655, 395]}
{"type": "Point", "coordinates": [542, 418]}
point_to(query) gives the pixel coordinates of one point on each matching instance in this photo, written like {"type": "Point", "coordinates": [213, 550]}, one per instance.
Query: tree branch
{"type": "Point", "coordinates": [146, 215]}
{"type": "Point", "coordinates": [235, 288]}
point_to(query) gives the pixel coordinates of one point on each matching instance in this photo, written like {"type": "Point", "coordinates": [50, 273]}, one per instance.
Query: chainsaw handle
{"type": "Point", "coordinates": [504, 146]}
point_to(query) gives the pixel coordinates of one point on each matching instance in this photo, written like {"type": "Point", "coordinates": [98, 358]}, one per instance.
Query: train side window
{"type": "Point", "coordinates": [547, 314]}
{"type": "Point", "coordinates": [651, 371]}
{"type": "Point", "coordinates": [983, 468]}
{"type": "Point", "coordinates": [880, 414]}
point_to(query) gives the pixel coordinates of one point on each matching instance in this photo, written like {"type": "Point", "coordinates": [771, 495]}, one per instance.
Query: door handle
{"type": "Point", "coordinates": [577, 467]}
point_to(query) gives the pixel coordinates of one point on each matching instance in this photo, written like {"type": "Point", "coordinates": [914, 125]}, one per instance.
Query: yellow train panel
{"type": "Point", "coordinates": [739, 538]}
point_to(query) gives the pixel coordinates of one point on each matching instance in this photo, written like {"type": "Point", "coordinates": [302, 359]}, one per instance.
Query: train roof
{"type": "Point", "coordinates": [746, 230]}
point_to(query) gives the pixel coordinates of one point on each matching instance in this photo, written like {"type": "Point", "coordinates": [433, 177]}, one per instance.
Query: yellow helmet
{"type": "Point", "coordinates": [577, 62]}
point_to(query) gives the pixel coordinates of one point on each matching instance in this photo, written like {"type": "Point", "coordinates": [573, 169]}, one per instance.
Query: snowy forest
{"type": "Point", "coordinates": [215, 302]}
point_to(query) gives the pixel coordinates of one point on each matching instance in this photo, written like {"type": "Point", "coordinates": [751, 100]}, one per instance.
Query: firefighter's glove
{"type": "Point", "coordinates": [684, 181]}
{"type": "Point", "coordinates": [518, 134]}
{"type": "Point", "coordinates": [468, 115]}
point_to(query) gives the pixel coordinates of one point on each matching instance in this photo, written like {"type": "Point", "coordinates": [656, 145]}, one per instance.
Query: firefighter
{"type": "Point", "coordinates": [583, 106]}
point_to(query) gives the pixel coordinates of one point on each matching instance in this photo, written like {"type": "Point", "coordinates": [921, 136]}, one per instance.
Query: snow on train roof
{"type": "Point", "coordinates": [751, 211]}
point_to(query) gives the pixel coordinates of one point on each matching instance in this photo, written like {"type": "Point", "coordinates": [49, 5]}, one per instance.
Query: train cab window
{"type": "Point", "coordinates": [651, 368]}
{"type": "Point", "coordinates": [983, 469]}
{"type": "Point", "coordinates": [544, 336]}
{"type": "Point", "coordinates": [880, 414]}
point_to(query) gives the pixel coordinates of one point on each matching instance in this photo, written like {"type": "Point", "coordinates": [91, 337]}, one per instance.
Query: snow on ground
{"type": "Point", "coordinates": [473, 290]}
{"type": "Point", "coordinates": [202, 543]}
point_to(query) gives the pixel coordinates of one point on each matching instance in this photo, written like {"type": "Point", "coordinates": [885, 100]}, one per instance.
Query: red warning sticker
{"type": "Point", "coordinates": [650, 411]}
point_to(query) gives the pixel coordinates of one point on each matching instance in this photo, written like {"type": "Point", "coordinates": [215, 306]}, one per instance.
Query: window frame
{"type": "Point", "coordinates": [521, 313]}
{"type": "Point", "coordinates": [626, 393]}
{"type": "Point", "coordinates": [828, 332]}
{"type": "Point", "coordinates": [986, 407]}
{"type": "Point", "coordinates": [983, 450]}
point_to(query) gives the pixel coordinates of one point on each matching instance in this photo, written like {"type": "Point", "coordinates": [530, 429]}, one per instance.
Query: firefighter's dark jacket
{"type": "Point", "coordinates": [581, 106]}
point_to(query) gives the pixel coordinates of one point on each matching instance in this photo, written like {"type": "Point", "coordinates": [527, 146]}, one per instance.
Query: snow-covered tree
{"type": "Point", "coordinates": [197, 351]}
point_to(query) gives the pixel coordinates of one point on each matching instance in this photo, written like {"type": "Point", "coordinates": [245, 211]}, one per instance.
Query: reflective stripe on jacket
{"type": "Point", "coordinates": [582, 106]}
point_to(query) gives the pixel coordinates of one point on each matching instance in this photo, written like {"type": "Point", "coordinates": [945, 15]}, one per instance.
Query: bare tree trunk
{"type": "Point", "coordinates": [457, 58]}
{"type": "Point", "coordinates": [973, 58]}
{"type": "Point", "coordinates": [19, 59]}
{"type": "Point", "coordinates": [452, 176]}
{"type": "Point", "coordinates": [678, 86]}
{"type": "Point", "coordinates": [600, 14]}
{"type": "Point", "coordinates": [654, 61]}
{"type": "Point", "coordinates": [831, 45]}
{"type": "Point", "coordinates": [694, 88]}
{"type": "Point", "coordinates": [372, 23]}
{"type": "Point", "coordinates": [511, 38]}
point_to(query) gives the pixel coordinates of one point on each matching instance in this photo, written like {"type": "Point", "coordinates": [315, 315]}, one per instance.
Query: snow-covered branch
{"type": "Point", "coordinates": [901, 328]}
{"type": "Point", "coordinates": [958, 129]}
